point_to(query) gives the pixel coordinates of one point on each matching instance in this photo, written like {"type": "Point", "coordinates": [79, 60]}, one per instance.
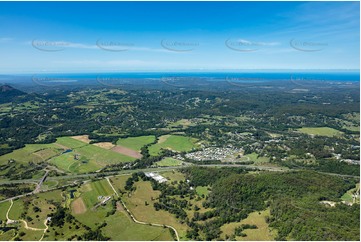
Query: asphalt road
{"type": "Point", "coordinates": [125, 172]}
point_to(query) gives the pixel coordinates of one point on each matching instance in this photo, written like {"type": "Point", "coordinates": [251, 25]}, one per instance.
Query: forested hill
{"type": "Point", "coordinates": [295, 199]}
{"type": "Point", "coordinates": [8, 93]}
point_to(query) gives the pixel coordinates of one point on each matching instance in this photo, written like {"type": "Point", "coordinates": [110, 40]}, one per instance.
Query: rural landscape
{"type": "Point", "coordinates": [123, 166]}
{"type": "Point", "coordinates": [221, 139]}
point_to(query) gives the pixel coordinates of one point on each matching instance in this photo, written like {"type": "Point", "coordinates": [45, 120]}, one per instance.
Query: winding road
{"type": "Point", "coordinates": [10, 221]}
{"type": "Point", "coordinates": [137, 221]}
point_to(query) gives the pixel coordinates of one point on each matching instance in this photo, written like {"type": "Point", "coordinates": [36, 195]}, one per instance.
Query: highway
{"type": "Point", "coordinates": [84, 177]}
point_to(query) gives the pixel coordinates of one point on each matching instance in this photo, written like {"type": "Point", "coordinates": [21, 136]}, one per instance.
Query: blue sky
{"type": "Point", "coordinates": [177, 36]}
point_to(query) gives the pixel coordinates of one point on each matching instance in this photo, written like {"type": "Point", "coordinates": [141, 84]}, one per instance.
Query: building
{"type": "Point", "coordinates": [155, 176]}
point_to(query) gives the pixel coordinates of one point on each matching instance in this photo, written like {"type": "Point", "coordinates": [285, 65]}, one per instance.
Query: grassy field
{"type": "Point", "coordinates": [30, 235]}
{"type": "Point", "coordinates": [182, 123]}
{"type": "Point", "coordinates": [120, 227]}
{"type": "Point", "coordinates": [168, 161]}
{"type": "Point", "coordinates": [3, 209]}
{"type": "Point", "coordinates": [48, 184]}
{"type": "Point", "coordinates": [16, 210]}
{"type": "Point", "coordinates": [35, 218]}
{"type": "Point", "coordinates": [118, 182]}
{"type": "Point", "coordinates": [65, 232]}
{"type": "Point", "coordinates": [173, 142]}
{"type": "Point", "coordinates": [321, 131]}
{"type": "Point", "coordinates": [70, 142]}
{"type": "Point", "coordinates": [102, 156]}
{"type": "Point", "coordinates": [262, 233]}
{"type": "Point", "coordinates": [257, 159]}
{"type": "Point", "coordinates": [173, 176]}
{"type": "Point", "coordinates": [89, 157]}
{"type": "Point", "coordinates": [202, 190]}
{"type": "Point", "coordinates": [136, 143]}
{"type": "Point", "coordinates": [31, 153]}
{"type": "Point", "coordinates": [147, 213]}
{"type": "Point", "coordinates": [347, 197]}
{"type": "Point", "coordinates": [54, 195]}
{"type": "Point", "coordinates": [8, 235]}
{"type": "Point", "coordinates": [94, 218]}
{"type": "Point", "coordinates": [91, 191]}
{"type": "Point", "coordinates": [89, 194]}
{"type": "Point", "coordinates": [67, 163]}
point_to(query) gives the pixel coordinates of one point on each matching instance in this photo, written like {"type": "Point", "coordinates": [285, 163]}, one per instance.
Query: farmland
{"type": "Point", "coordinates": [90, 192]}
{"type": "Point", "coordinates": [147, 213]}
{"type": "Point", "coordinates": [136, 143]}
{"type": "Point", "coordinates": [322, 131]}
{"type": "Point", "coordinates": [121, 227]}
{"type": "Point", "coordinates": [31, 153]}
{"type": "Point", "coordinates": [3, 209]}
{"type": "Point", "coordinates": [68, 154]}
{"type": "Point", "coordinates": [173, 142]}
{"type": "Point", "coordinates": [218, 150]}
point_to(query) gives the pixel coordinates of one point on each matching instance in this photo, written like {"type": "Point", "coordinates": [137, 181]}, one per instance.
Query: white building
{"type": "Point", "coordinates": [155, 176]}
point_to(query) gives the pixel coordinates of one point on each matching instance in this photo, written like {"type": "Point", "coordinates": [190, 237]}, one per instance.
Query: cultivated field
{"type": "Point", "coordinates": [70, 143]}
{"type": "Point", "coordinates": [91, 191]}
{"type": "Point", "coordinates": [82, 138]}
{"type": "Point", "coordinates": [78, 206]}
{"type": "Point", "coordinates": [82, 157]}
{"type": "Point", "coordinates": [104, 145]}
{"type": "Point", "coordinates": [126, 151]}
{"type": "Point", "coordinates": [136, 143]}
{"type": "Point", "coordinates": [31, 153]}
